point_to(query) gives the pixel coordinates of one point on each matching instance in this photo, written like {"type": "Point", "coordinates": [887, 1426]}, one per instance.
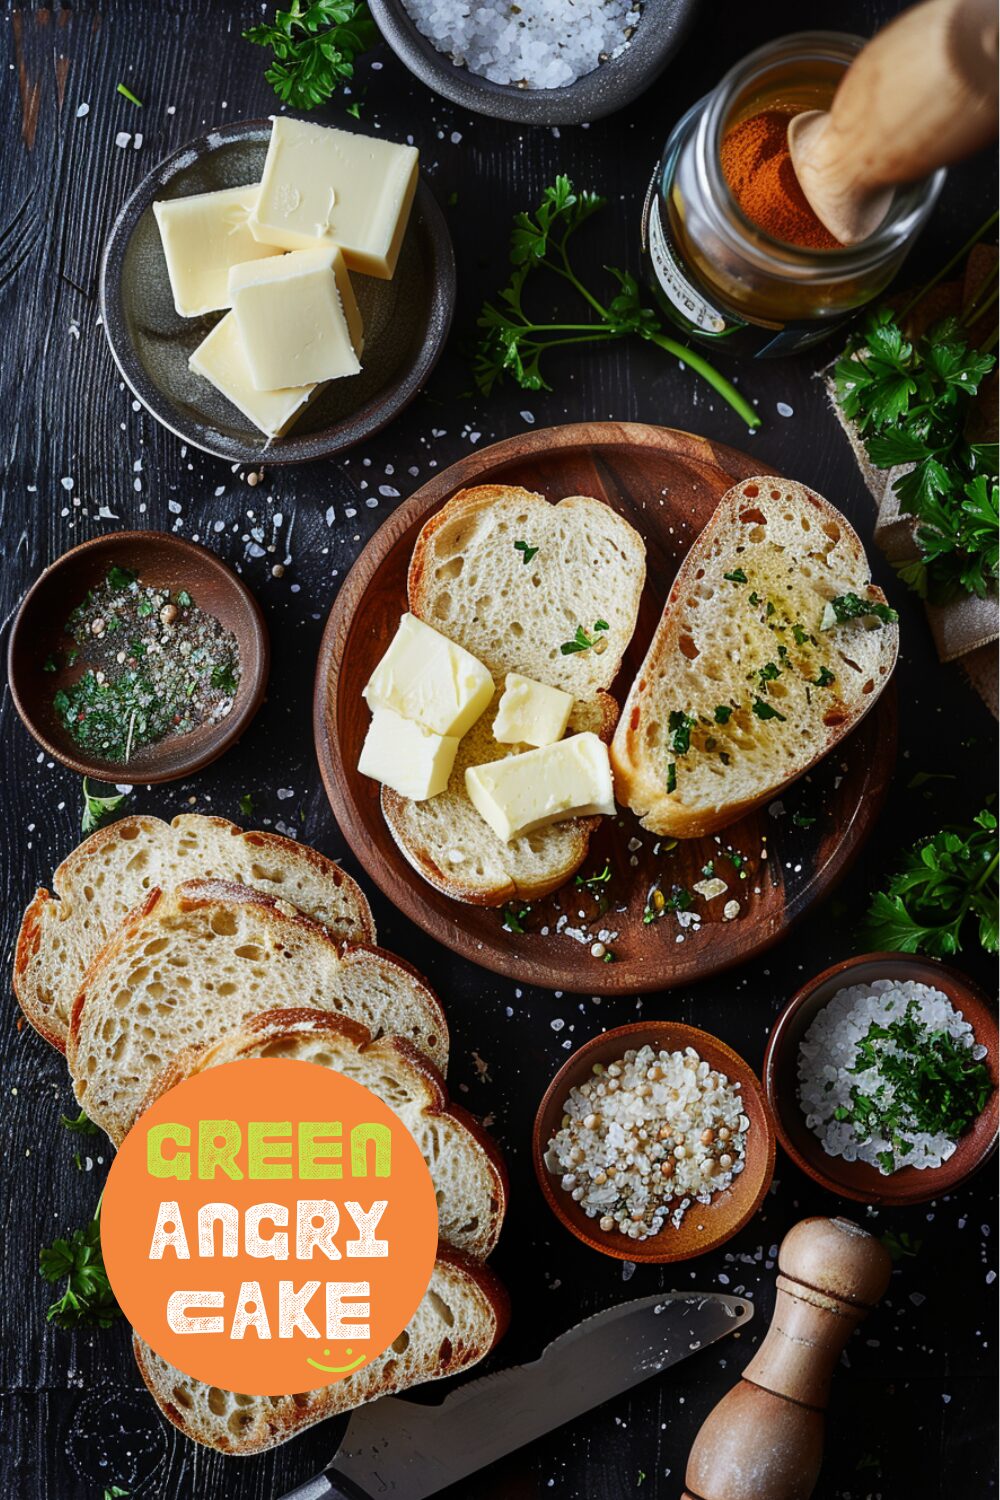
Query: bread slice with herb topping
{"type": "Point", "coordinates": [114, 869]}
{"type": "Point", "coordinates": [515, 579]}
{"type": "Point", "coordinates": [470, 1180]}
{"type": "Point", "coordinates": [773, 644]}
{"type": "Point", "coordinates": [462, 1314]}
{"type": "Point", "coordinates": [192, 964]}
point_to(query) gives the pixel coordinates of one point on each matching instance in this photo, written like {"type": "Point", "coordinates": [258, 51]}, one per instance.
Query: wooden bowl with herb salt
{"type": "Point", "coordinates": [882, 1076]}
{"type": "Point", "coordinates": [137, 657]}
{"type": "Point", "coordinates": [654, 1143]}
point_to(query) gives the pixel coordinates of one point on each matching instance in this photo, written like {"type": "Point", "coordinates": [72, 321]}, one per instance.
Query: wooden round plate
{"type": "Point", "coordinates": [776, 863]}
{"type": "Point", "coordinates": [705, 1226]}
{"type": "Point", "coordinates": [857, 1179]}
{"type": "Point", "coordinates": [168, 562]}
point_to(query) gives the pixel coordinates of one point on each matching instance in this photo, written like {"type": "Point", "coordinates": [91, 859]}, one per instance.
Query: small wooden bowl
{"type": "Point", "coordinates": [705, 1226]}
{"type": "Point", "coordinates": [166, 562]}
{"type": "Point", "coordinates": [856, 1179]}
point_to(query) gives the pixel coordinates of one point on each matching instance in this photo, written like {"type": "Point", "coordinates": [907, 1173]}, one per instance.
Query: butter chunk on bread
{"type": "Point", "coordinates": [461, 1316]}
{"type": "Point", "coordinates": [113, 871]}
{"type": "Point", "coordinates": [192, 964]}
{"type": "Point", "coordinates": [469, 580]}
{"type": "Point", "coordinates": [467, 1170]}
{"type": "Point", "coordinates": [716, 638]}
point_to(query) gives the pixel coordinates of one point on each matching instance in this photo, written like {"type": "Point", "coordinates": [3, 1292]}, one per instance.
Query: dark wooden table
{"type": "Point", "coordinates": [914, 1405]}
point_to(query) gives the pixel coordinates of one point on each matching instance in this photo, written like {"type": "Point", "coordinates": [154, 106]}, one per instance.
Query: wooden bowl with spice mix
{"type": "Point", "coordinates": [654, 1143]}
{"type": "Point", "coordinates": [137, 657]}
{"type": "Point", "coordinates": [882, 1077]}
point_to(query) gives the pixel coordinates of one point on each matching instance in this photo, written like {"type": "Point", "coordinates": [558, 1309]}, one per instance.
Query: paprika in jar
{"type": "Point", "coordinates": [733, 252]}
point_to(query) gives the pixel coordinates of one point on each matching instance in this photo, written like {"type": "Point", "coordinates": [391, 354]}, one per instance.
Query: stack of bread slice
{"type": "Point", "coordinates": [169, 949]}
{"type": "Point", "coordinates": [511, 577]}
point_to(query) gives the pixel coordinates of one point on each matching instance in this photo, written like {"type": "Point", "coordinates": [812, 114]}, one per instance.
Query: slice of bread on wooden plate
{"type": "Point", "coordinates": [751, 677]}
{"type": "Point", "coordinates": [513, 577]}
{"type": "Point", "coordinates": [468, 1172]}
{"type": "Point", "coordinates": [192, 964]}
{"type": "Point", "coordinates": [112, 872]}
{"type": "Point", "coordinates": [461, 1316]}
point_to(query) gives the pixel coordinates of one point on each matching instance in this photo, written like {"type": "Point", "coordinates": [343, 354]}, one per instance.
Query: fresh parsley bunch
{"type": "Point", "coordinates": [514, 344]}
{"type": "Point", "coordinates": [88, 1300]}
{"type": "Point", "coordinates": [315, 43]}
{"type": "Point", "coordinates": [943, 881]}
{"type": "Point", "coordinates": [910, 401]}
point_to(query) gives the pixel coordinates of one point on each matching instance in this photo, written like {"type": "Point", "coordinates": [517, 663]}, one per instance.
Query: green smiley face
{"type": "Point", "coordinates": [337, 1369]}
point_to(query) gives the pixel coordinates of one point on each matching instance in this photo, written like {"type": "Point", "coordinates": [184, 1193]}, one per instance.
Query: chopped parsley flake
{"type": "Point", "coordinates": [671, 776]}
{"type": "Point", "coordinates": [680, 725]}
{"type": "Point", "coordinates": [527, 553]}
{"type": "Point", "coordinates": [824, 679]}
{"type": "Point", "coordinates": [851, 607]}
{"type": "Point", "coordinates": [723, 713]}
{"type": "Point", "coordinates": [736, 576]}
{"type": "Point", "coordinates": [766, 710]}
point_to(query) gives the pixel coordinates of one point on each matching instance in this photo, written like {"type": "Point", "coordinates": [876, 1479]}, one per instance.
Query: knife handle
{"type": "Point", "coordinates": [328, 1486]}
{"type": "Point", "coordinates": [764, 1441]}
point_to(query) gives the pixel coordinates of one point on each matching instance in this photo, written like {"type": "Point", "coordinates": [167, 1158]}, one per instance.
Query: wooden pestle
{"type": "Point", "coordinates": [920, 95]}
{"type": "Point", "coordinates": [764, 1441]}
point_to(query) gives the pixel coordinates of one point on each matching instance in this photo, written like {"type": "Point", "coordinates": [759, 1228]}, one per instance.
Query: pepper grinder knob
{"type": "Point", "coordinates": [764, 1441]}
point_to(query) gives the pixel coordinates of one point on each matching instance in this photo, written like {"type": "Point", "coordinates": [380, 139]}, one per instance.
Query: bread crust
{"type": "Point", "coordinates": [275, 1026]}
{"type": "Point", "coordinates": [285, 1424]}
{"type": "Point", "coordinates": [642, 787]}
{"type": "Point", "coordinates": [44, 906]}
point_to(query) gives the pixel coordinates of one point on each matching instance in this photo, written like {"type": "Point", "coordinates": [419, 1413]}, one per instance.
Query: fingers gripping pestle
{"type": "Point", "coordinates": [764, 1441]}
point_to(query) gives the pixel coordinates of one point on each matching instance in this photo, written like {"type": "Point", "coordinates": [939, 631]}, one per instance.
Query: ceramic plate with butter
{"type": "Point", "coordinates": [406, 319]}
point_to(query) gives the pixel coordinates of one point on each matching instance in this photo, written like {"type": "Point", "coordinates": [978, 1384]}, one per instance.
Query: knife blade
{"type": "Point", "coordinates": [409, 1451]}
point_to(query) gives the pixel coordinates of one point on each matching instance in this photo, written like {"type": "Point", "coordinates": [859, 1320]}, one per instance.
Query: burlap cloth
{"type": "Point", "coordinates": [966, 630]}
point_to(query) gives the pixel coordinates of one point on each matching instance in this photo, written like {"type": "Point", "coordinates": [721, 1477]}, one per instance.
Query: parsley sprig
{"type": "Point", "coordinates": [910, 400]}
{"type": "Point", "coordinates": [514, 344]}
{"type": "Point", "coordinates": [96, 809]}
{"type": "Point", "coordinates": [943, 881]}
{"type": "Point", "coordinates": [315, 43]}
{"type": "Point", "coordinates": [919, 1080]}
{"type": "Point", "coordinates": [87, 1300]}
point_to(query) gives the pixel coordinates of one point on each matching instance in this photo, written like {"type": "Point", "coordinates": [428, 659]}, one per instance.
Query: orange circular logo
{"type": "Point", "coordinates": [269, 1226]}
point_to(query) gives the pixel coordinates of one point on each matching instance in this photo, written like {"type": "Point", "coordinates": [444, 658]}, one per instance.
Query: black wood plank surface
{"type": "Point", "coordinates": [914, 1404]}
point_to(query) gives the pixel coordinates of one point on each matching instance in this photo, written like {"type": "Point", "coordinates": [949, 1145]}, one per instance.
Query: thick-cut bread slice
{"type": "Point", "coordinates": [461, 1316]}
{"type": "Point", "coordinates": [469, 1176]}
{"type": "Point", "coordinates": [192, 964]}
{"type": "Point", "coordinates": [113, 870]}
{"type": "Point", "coordinates": [752, 646]}
{"type": "Point", "coordinates": [468, 579]}
{"type": "Point", "coordinates": [454, 849]}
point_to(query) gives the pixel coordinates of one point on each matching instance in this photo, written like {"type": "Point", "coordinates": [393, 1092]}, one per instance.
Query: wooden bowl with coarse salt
{"type": "Point", "coordinates": [860, 1180]}
{"type": "Point", "coordinates": [701, 1226]}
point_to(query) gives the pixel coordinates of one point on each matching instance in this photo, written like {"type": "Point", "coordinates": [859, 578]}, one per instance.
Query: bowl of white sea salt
{"type": "Point", "coordinates": [537, 62]}
{"type": "Point", "coordinates": [882, 1076]}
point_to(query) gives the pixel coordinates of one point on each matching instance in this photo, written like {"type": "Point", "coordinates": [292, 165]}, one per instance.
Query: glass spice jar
{"type": "Point", "coordinates": [715, 273]}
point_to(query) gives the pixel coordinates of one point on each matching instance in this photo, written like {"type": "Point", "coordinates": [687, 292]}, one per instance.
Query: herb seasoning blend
{"type": "Point", "coordinates": [155, 665]}
{"type": "Point", "coordinates": [733, 252]}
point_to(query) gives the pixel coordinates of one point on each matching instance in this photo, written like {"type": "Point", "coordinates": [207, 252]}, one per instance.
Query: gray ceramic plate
{"type": "Point", "coordinates": [610, 86]}
{"type": "Point", "coordinates": [406, 319]}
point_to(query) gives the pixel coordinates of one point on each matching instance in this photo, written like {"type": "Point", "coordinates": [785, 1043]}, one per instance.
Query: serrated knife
{"type": "Point", "coordinates": [408, 1451]}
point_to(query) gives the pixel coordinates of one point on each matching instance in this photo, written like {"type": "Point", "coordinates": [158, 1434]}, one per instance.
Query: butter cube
{"type": "Point", "coordinates": [571, 779]}
{"type": "Point", "coordinates": [202, 237]}
{"type": "Point", "coordinates": [531, 713]}
{"type": "Point", "coordinates": [298, 319]}
{"type": "Point", "coordinates": [220, 359]}
{"type": "Point", "coordinates": [330, 185]}
{"type": "Point", "coordinates": [426, 677]}
{"type": "Point", "coordinates": [412, 760]}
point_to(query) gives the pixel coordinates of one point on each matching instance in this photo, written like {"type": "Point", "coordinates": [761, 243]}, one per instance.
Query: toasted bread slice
{"type": "Point", "coordinates": [112, 872]}
{"type": "Point", "coordinates": [192, 964]}
{"type": "Point", "coordinates": [742, 654]}
{"type": "Point", "coordinates": [468, 579]}
{"type": "Point", "coordinates": [461, 1316]}
{"type": "Point", "coordinates": [469, 1176]}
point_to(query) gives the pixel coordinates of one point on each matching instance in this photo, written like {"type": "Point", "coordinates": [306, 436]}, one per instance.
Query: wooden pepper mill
{"type": "Point", "coordinates": [764, 1441]}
